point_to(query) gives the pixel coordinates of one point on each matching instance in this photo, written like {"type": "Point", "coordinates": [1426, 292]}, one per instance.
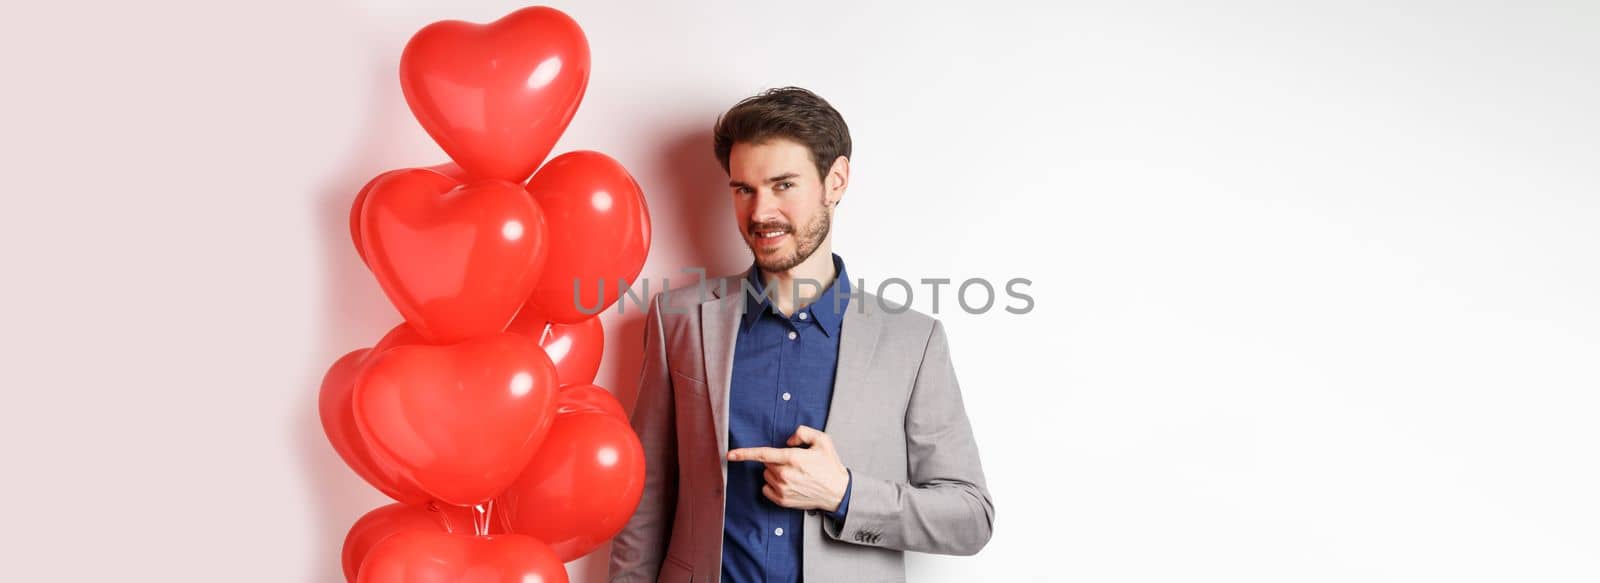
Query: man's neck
{"type": "Point", "coordinates": [801, 284]}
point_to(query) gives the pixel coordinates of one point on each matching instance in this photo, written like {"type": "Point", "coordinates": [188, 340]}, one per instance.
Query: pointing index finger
{"type": "Point", "coordinates": [768, 455]}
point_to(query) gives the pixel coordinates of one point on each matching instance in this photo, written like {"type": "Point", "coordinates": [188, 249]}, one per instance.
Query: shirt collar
{"type": "Point", "coordinates": [822, 311]}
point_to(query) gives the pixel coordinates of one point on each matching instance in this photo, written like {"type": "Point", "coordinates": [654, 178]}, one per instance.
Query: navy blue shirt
{"type": "Point", "coordinates": [783, 369]}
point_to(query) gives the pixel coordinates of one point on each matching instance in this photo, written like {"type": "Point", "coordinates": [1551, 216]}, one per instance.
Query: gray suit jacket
{"type": "Point", "coordinates": [896, 419]}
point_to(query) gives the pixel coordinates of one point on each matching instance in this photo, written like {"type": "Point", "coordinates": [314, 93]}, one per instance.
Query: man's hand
{"type": "Point", "coordinates": [797, 477]}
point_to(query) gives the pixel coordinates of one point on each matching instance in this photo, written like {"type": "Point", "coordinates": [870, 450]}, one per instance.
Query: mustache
{"type": "Point", "coordinates": [770, 226]}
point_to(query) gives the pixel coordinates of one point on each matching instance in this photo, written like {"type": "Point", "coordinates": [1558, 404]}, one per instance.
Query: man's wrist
{"type": "Point", "coordinates": [842, 506]}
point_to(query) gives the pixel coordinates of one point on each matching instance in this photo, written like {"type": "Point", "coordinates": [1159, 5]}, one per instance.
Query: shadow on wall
{"type": "Point", "coordinates": [702, 222]}
{"type": "Point", "coordinates": [686, 193]}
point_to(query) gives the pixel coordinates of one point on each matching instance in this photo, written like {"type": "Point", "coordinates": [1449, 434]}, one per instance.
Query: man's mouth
{"type": "Point", "coordinates": [769, 237]}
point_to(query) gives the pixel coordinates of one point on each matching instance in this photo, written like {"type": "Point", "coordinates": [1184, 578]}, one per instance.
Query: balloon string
{"type": "Point", "coordinates": [544, 336]}
{"type": "Point", "coordinates": [480, 517]}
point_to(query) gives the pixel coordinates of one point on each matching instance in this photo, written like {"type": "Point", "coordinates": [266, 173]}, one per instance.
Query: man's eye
{"type": "Point", "coordinates": [742, 190]}
{"type": "Point", "coordinates": [785, 185]}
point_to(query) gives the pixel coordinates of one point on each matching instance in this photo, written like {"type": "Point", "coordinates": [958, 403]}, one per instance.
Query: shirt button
{"type": "Point", "coordinates": [802, 315]}
{"type": "Point", "coordinates": [793, 335]}
{"type": "Point", "coordinates": [778, 531]}
{"type": "Point", "coordinates": [786, 396]}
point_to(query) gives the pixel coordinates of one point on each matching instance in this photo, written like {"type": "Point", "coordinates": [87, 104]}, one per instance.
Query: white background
{"type": "Point", "coordinates": [1316, 282]}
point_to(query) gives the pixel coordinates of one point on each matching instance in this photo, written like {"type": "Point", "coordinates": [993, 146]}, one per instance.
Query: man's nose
{"type": "Point", "coordinates": [765, 208]}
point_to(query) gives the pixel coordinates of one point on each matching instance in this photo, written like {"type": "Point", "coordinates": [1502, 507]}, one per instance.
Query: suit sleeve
{"type": "Point", "coordinates": [638, 550]}
{"type": "Point", "coordinates": [945, 508]}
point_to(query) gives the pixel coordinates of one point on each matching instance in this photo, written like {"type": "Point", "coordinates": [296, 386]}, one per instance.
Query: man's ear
{"type": "Point", "coordinates": [838, 179]}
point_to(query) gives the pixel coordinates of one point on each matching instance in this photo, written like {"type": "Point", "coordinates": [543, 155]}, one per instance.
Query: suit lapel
{"type": "Point", "coordinates": [858, 340]}
{"type": "Point", "coordinates": [719, 331]}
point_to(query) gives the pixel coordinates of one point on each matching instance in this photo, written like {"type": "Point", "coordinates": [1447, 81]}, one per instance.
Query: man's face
{"type": "Point", "coordinates": [779, 202]}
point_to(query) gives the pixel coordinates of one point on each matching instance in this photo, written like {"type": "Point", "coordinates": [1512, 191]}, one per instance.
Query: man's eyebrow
{"type": "Point", "coordinates": [784, 176]}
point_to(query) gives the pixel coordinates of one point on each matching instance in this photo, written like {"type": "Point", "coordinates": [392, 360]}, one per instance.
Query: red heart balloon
{"type": "Point", "coordinates": [452, 170]}
{"type": "Point", "coordinates": [435, 176]}
{"type": "Point", "coordinates": [384, 521]}
{"type": "Point", "coordinates": [599, 234]}
{"type": "Point", "coordinates": [417, 556]}
{"type": "Point", "coordinates": [497, 96]}
{"type": "Point", "coordinates": [581, 488]}
{"type": "Point", "coordinates": [400, 335]}
{"type": "Point", "coordinates": [456, 263]}
{"type": "Point", "coordinates": [461, 420]}
{"type": "Point", "coordinates": [339, 423]}
{"type": "Point", "coordinates": [575, 348]}
{"type": "Point", "coordinates": [588, 398]}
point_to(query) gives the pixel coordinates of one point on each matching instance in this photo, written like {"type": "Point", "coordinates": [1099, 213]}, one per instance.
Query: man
{"type": "Point", "coordinates": [795, 428]}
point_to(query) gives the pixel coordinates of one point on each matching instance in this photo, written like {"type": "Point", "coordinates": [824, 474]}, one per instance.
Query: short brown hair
{"type": "Point", "coordinates": [785, 112]}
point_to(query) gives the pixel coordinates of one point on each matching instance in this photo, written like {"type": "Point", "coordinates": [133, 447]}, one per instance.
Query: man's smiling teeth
{"type": "Point", "coordinates": [769, 234]}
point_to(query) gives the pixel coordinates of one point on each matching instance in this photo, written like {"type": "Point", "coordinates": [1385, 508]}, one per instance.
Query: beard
{"type": "Point", "coordinates": [807, 240]}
